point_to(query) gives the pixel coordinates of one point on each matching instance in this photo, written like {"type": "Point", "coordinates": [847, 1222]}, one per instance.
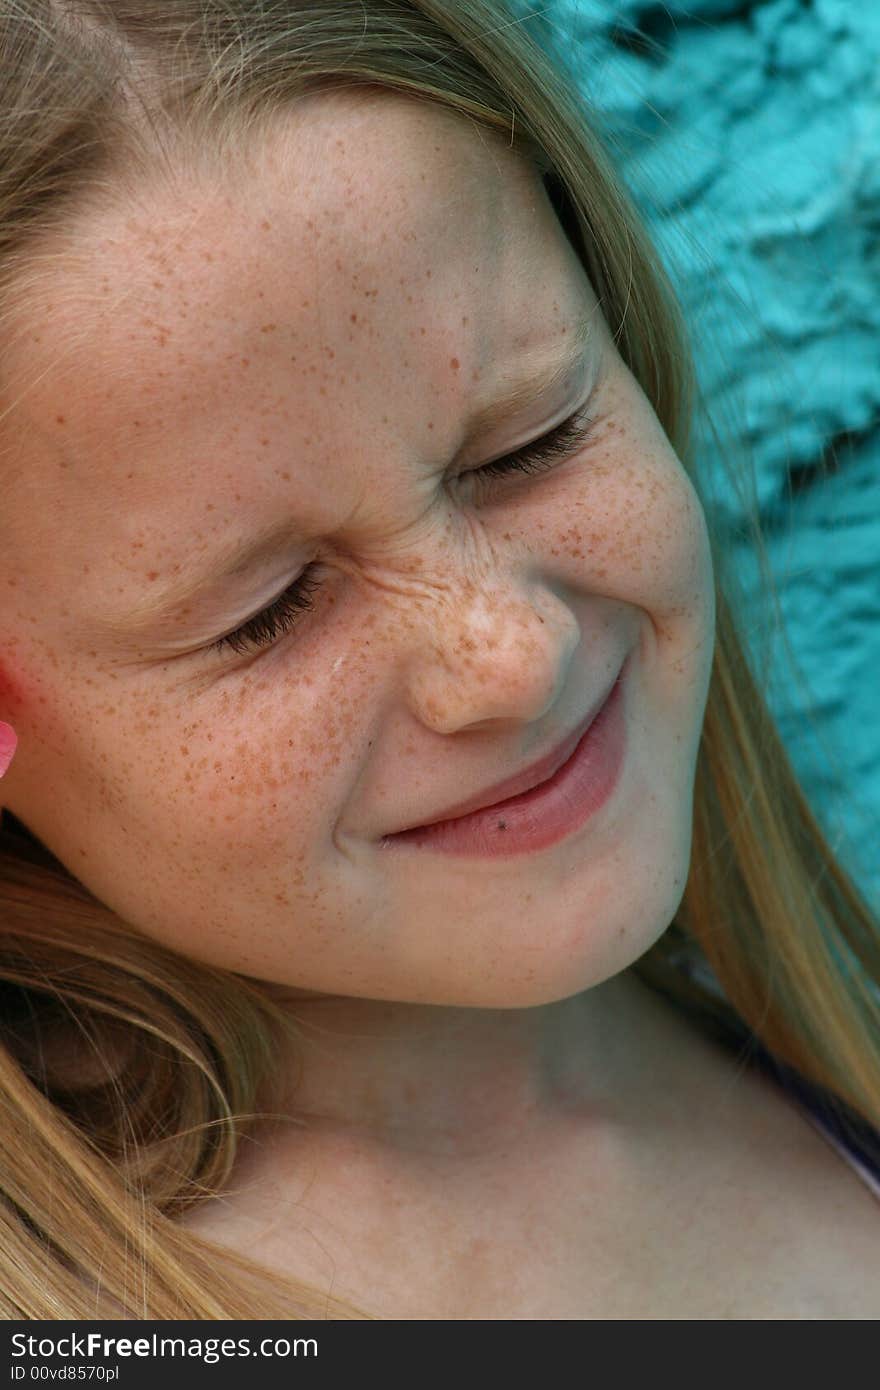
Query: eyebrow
{"type": "Point", "coordinates": [239, 557]}
{"type": "Point", "coordinates": [521, 392]}
{"type": "Point", "coordinates": [231, 559]}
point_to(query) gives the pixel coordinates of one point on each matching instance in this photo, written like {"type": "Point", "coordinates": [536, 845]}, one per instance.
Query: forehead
{"type": "Point", "coordinates": [348, 185]}
{"type": "Point", "coordinates": [363, 266]}
{"type": "Point", "coordinates": [359, 219]}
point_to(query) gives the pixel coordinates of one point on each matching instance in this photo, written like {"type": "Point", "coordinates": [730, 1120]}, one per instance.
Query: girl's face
{"type": "Point", "coordinates": [296, 357]}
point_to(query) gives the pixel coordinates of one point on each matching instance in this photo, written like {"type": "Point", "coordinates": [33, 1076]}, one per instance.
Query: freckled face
{"type": "Point", "coordinates": [303, 346]}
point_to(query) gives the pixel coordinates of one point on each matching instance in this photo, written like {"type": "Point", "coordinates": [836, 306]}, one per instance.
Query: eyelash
{"type": "Point", "coordinates": [266, 627]}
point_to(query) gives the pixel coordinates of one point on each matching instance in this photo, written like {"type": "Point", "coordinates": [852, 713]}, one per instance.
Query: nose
{"type": "Point", "coordinates": [493, 653]}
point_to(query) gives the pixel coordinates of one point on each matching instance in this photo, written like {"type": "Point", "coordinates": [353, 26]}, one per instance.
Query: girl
{"type": "Point", "coordinates": [408, 908]}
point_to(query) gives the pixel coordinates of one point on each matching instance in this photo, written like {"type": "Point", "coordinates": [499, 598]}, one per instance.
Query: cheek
{"type": "Point", "coordinates": [16, 692]}
{"type": "Point", "coordinates": [630, 526]}
{"type": "Point", "coordinates": [668, 543]}
{"type": "Point", "coordinates": [38, 703]}
{"type": "Point", "coordinates": [264, 744]}
{"type": "Point", "coordinates": [27, 693]}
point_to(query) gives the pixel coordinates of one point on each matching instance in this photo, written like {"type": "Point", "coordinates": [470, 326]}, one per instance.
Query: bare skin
{"type": "Point", "coordinates": [697, 1191]}
{"type": "Point", "coordinates": [491, 1116]}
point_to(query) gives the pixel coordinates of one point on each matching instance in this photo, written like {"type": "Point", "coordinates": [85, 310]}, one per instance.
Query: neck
{"type": "Point", "coordinates": [456, 1080]}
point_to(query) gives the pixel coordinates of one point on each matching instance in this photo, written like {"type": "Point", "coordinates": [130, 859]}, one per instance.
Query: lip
{"type": "Point", "coordinates": [544, 801]}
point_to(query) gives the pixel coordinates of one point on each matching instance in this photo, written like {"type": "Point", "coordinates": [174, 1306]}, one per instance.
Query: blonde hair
{"type": "Point", "coordinates": [99, 1155]}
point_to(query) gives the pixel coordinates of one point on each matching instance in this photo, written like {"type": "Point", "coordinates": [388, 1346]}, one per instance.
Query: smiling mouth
{"type": "Point", "coordinates": [530, 779]}
{"type": "Point", "coordinates": [547, 811]}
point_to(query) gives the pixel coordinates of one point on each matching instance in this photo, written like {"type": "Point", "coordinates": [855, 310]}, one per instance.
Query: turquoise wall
{"type": "Point", "coordinates": [750, 136]}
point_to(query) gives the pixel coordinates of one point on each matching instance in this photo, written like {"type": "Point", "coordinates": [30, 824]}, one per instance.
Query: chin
{"type": "Point", "coordinates": [505, 939]}
{"type": "Point", "coordinates": [604, 955]}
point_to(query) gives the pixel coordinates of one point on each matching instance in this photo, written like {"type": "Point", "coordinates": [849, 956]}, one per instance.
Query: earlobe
{"type": "Point", "coordinates": [8, 745]}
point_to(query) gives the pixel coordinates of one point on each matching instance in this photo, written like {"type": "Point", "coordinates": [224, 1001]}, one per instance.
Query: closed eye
{"type": "Point", "coordinates": [537, 457]}
{"type": "Point", "coordinates": [564, 439]}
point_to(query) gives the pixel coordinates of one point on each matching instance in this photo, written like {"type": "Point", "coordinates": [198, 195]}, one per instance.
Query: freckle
{"type": "Point", "coordinates": [61, 419]}
{"type": "Point", "coordinates": [268, 328]}
{"type": "Point", "coordinates": [245, 361]}
{"type": "Point", "coordinates": [454, 363]}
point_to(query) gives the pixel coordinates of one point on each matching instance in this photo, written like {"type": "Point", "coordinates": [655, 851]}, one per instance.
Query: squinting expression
{"type": "Point", "coordinates": [272, 590]}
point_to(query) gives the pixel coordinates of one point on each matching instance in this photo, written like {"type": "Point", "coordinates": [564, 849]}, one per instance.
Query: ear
{"type": "Point", "coordinates": [8, 745]}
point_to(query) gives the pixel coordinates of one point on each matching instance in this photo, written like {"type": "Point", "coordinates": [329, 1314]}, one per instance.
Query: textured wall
{"type": "Point", "coordinates": [750, 135]}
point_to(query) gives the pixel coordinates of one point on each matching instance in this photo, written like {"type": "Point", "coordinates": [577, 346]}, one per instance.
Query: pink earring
{"type": "Point", "coordinates": [8, 745]}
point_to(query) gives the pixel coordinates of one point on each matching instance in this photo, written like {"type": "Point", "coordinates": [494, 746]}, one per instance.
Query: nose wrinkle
{"type": "Point", "coordinates": [492, 655]}
{"type": "Point", "coordinates": [478, 648]}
